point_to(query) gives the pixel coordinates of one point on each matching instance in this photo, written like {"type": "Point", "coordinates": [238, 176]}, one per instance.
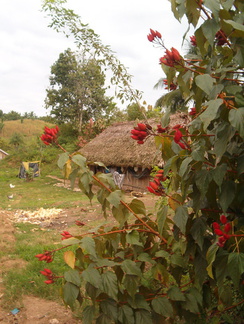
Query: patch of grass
{"type": "Point", "coordinates": [41, 192]}
{"type": "Point", "coordinates": [31, 240]}
{"type": "Point", "coordinates": [27, 127]}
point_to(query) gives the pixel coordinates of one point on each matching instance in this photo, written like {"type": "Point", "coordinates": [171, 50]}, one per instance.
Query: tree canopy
{"type": "Point", "coordinates": [77, 91]}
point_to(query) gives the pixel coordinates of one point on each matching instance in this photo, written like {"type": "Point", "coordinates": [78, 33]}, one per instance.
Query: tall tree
{"type": "Point", "coordinates": [77, 91]}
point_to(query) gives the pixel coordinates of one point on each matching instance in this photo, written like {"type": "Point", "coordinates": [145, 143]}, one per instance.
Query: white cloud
{"type": "Point", "coordinates": [29, 47]}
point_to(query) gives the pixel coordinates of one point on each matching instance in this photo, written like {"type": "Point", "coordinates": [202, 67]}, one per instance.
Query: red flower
{"type": "Point", "coordinates": [221, 241]}
{"type": "Point", "coordinates": [79, 223]}
{"type": "Point", "coordinates": [223, 234]}
{"type": "Point", "coordinates": [66, 235]}
{"type": "Point", "coordinates": [216, 225]}
{"type": "Point", "coordinates": [49, 281]}
{"type": "Point", "coordinates": [221, 37]}
{"type": "Point", "coordinates": [193, 111]}
{"type": "Point", "coordinates": [178, 136]}
{"type": "Point", "coordinates": [160, 129]}
{"type": "Point", "coordinates": [153, 34]}
{"type": "Point", "coordinates": [160, 175]}
{"type": "Point", "coordinates": [156, 187]}
{"type": "Point", "coordinates": [223, 219]}
{"type": "Point", "coordinates": [140, 132]}
{"type": "Point", "coordinates": [50, 277]}
{"type": "Point", "coordinates": [50, 135]}
{"type": "Point", "coordinates": [193, 40]}
{"type": "Point", "coordinates": [227, 228]}
{"type": "Point", "coordinates": [171, 87]}
{"type": "Point", "coordinates": [218, 232]}
{"type": "Point", "coordinates": [47, 256]}
{"type": "Point", "coordinates": [171, 57]}
{"type": "Point", "coordinates": [150, 38]}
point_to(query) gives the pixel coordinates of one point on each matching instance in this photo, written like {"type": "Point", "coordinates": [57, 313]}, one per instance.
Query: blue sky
{"type": "Point", "coordinates": [29, 47]}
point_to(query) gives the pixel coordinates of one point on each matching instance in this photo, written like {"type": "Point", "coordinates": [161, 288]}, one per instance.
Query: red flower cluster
{"type": "Point", "coordinates": [171, 87]}
{"type": "Point", "coordinates": [171, 57]}
{"type": "Point", "coordinates": [140, 132]}
{"type": "Point", "coordinates": [221, 38]}
{"type": "Point", "coordinates": [156, 187]}
{"type": "Point", "coordinates": [222, 231]}
{"type": "Point", "coordinates": [193, 40]}
{"type": "Point", "coordinates": [66, 235]}
{"type": "Point", "coordinates": [79, 223]}
{"type": "Point", "coordinates": [50, 135]}
{"type": "Point", "coordinates": [153, 34]}
{"type": "Point", "coordinates": [178, 139]}
{"type": "Point", "coordinates": [48, 273]}
{"type": "Point", "coordinates": [161, 129]}
{"type": "Point", "coordinates": [160, 175]}
{"type": "Point", "coordinates": [193, 111]}
{"type": "Point", "coordinates": [47, 256]}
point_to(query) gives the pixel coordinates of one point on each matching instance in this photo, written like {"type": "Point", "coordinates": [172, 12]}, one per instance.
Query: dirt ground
{"type": "Point", "coordinates": [36, 310]}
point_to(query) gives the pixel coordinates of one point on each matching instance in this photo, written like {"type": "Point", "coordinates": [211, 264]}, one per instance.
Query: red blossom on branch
{"type": "Point", "coordinates": [193, 40]}
{"type": "Point", "coordinates": [79, 223]}
{"type": "Point", "coordinates": [171, 87]}
{"type": "Point", "coordinates": [171, 58]}
{"type": "Point", "coordinates": [222, 231]}
{"type": "Point", "coordinates": [221, 38]}
{"type": "Point", "coordinates": [153, 34]}
{"type": "Point", "coordinates": [161, 129]}
{"type": "Point", "coordinates": [47, 256]}
{"type": "Point", "coordinates": [66, 235]}
{"type": "Point", "coordinates": [140, 132]}
{"type": "Point", "coordinates": [178, 136]}
{"type": "Point", "coordinates": [156, 187]}
{"type": "Point", "coordinates": [160, 175]}
{"type": "Point", "coordinates": [49, 274]}
{"type": "Point", "coordinates": [50, 135]}
{"type": "Point", "coordinates": [193, 111]}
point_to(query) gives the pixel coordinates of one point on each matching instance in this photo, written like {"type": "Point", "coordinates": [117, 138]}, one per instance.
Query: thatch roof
{"type": "Point", "coordinates": [115, 147]}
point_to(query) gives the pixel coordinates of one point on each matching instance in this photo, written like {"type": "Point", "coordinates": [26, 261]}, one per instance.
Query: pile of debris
{"type": "Point", "coordinates": [38, 216]}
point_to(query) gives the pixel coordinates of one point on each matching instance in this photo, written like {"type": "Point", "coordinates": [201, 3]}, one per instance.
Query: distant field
{"type": "Point", "coordinates": [27, 127]}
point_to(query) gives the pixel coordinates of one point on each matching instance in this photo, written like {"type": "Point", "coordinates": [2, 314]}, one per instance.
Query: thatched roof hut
{"type": "Point", "coordinates": [115, 148]}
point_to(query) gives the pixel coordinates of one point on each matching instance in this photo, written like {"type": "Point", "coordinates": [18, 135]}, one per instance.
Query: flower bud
{"type": "Point", "coordinates": [223, 219]}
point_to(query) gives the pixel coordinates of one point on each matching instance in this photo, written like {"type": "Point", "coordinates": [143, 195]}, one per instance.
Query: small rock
{"type": "Point", "coordinates": [53, 321]}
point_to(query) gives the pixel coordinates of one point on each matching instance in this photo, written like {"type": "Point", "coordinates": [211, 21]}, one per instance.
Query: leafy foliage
{"type": "Point", "coordinates": [76, 91]}
{"type": "Point", "coordinates": [188, 265]}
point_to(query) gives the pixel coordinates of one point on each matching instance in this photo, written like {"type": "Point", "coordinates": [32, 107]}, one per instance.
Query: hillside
{"type": "Point", "coordinates": [28, 127]}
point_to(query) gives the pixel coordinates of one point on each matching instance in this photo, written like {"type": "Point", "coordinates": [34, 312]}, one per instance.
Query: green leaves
{"type": "Point", "coordinates": [198, 230]}
{"type": "Point", "coordinates": [181, 217]}
{"type": "Point", "coordinates": [205, 82]}
{"type": "Point", "coordinates": [162, 306]}
{"type": "Point", "coordinates": [63, 158]}
{"type": "Point", "coordinates": [175, 293]}
{"type": "Point", "coordinates": [92, 276]}
{"type": "Point", "coordinates": [236, 267]}
{"type": "Point", "coordinates": [70, 293]}
{"type": "Point", "coordinates": [211, 112]}
{"type": "Point", "coordinates": [236, 118]}
{"type": "Point", "coordinates": [227, 194]}
{"type": "Point", "coordinates": [138, 206]}
{"type": "Point", "coordinates": [130, 267]}
{"type": "Point", "coordinates": [131, 274]}
{"type": "Point", "coordinates": [73, 277]}
{"type": "Point", "coordinates": [88, 246]}
{"type": "Point", "coordinates": [110, 284]}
